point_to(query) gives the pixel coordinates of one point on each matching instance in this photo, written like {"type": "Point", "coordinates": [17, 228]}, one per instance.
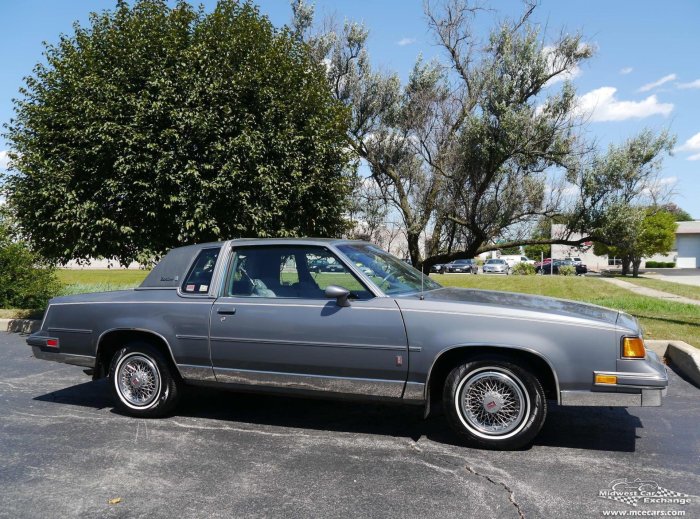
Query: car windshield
{"type": "Point", "coordinates": [495, 262]}
{"type": "Point", "coordinates": [390, 274]}
{"type": "Point", "coordinates": [463, 262]}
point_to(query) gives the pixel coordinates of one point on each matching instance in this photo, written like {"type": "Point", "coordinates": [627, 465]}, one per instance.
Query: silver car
{"type": "Point", "coordinates": [496, 266]}
{"type": "Point", "coordinates": [256, 315]}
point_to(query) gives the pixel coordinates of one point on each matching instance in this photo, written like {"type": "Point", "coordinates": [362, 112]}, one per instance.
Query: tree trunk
{"type": "Point", "coordinates": [635, 267]}
{"type": "Point", "coordinates": [626, 260]}
{"type": "Point", "coordinates": [413, 240]}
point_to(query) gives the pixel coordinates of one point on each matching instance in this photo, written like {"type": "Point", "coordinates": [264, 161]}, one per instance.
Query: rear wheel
{"type": "Point", "coordinates": [142, 382]}
{"type": "Point", "coordinates": [491, 402]}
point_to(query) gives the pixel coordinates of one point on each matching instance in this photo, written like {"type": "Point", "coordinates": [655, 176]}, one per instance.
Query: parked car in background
{"type": "Point", "coordinates": [324, 265]}
{"type": "Point", "coordinates": [545, 261]}
{"type": "Point", "coordinates": [576, 260]}
{"type": "Point", "coordinates": [553, 267]}
{"type": "Point", "coordinates": [462, 266]}
{"type": "Point", "coordinates": [438, 268]}
{"type": "Point", "coordinates": [226, 315]}
{"type": "Point", "coordinates": [514, 259]}
{"type": "Point", "coordinates": [496, 266]}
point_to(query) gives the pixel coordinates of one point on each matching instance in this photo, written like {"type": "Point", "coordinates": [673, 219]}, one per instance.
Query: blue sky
{"type": "Point", "coordinates": [645, 74]}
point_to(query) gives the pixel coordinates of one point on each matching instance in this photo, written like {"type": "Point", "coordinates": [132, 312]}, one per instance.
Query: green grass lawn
{"type": "Point", "coordinates": [678, 289]}
{"type": "Point", "coordinates": [101, 276]}
{"type": "Point", "coordinates": [660, 319]}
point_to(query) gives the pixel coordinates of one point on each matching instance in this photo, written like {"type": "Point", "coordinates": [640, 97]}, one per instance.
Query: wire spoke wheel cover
{"type": "Point", "coordinates": [138, 380]}
{"type": "Point", "coordinates": [492, 403]}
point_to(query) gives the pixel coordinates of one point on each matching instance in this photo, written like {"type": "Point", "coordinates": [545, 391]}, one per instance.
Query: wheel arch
{"type": "Point", "coordinates": [450, 357]}
{"type": "Point", "coordinates": [109, 342]}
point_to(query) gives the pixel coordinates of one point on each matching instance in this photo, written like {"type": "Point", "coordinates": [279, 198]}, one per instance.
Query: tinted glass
{"type": "Point", "coordinates": [198, 279]}
{"type": "Point", "coordinates": [390, 274]}
{"type": "Point", "coordinates": [302, 272]}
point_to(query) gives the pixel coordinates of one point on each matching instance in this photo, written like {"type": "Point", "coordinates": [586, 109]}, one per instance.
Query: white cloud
{"type": "Point", "coordinates": [658, 82]}
{"type": "Point", "coordinates": [405, 41]}
{"type": "Point", "coordinates": [4, 160]}
{"type": "Point", "coordinates": [602, 105]}
{"type": "Point", "coordinates": [552, 64]}
{"type": "Point", "coordinates": [692, 84]}
{"type": "Point", "coordinates": [626, 70]}
{"type": "Point", "coordinates": [692, 144]}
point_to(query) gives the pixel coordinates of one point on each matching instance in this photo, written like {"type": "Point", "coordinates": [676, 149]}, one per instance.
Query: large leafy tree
{"type": "Point", "coordinates": [155, 126]}
{"type": "Point", "coordinates": [647, 231]}
{"type": "Point", "coordinates": [461, 151]}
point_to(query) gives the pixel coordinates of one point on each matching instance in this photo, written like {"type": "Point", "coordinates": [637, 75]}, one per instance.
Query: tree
{"type": "Point", "coordinates": [153, 127]}
{"type": "Point", "coordinates": [647, 232]}
{"type": "Point", "coordinates": [678, 213]}
{"type": "Point", "coordinates": [461, 151]}
{"type": "Point", "coordinates": [27, 281]}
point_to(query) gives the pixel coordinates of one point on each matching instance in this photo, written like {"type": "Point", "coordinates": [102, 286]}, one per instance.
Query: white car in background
{"type": "Point", "coordinates": [514, 259]}
{"type": "Point", "coordinates": [496, 266]}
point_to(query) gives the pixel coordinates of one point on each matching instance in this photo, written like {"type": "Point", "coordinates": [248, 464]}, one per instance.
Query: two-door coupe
{"type": "Point", "coordinates": [253, 314]}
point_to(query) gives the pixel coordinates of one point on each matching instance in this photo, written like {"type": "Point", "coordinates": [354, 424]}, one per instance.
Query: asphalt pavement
{"type": "Point", "coordinates": [64, 452]}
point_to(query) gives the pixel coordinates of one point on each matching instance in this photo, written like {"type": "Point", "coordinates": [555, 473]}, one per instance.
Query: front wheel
{"type": "Point", "coordinates": [142, 382]}
{"type": "Point", "coordinates": [491, 402]}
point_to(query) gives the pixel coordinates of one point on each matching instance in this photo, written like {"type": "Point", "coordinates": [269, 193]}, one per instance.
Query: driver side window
{"type": "Point", "coordinates": [302, 272]}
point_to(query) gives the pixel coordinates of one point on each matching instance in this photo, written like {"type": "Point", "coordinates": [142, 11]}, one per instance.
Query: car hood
{"type": "Point", "coordinates": [528, 302]}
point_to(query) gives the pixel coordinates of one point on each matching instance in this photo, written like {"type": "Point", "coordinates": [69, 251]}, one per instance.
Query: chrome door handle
{"type": "Point", "coordinates": [222, 310]}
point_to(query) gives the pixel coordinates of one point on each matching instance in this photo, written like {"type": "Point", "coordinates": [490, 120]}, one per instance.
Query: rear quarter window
{"type": "Point", "coordinates": [198, 279]}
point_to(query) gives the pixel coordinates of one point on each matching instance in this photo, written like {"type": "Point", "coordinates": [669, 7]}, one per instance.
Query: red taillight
{"type": "Point", "coordinates": [52, 343]}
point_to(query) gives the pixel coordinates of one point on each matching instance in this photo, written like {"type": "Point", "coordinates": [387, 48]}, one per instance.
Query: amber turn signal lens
{"type": "Point", "coordinates": [605, 379]}
{"type": "Point", "coordinates": [633, 348]}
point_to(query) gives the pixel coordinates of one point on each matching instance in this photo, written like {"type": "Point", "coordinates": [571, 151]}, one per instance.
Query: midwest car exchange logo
{"type": "Point", "coordinates": [639, 491]}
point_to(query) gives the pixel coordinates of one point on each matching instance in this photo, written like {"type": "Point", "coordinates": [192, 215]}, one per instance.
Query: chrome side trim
{"type": "Point", "coordinates": [167, 344]}
{"type": "Point", "coordinates": [414, 392]}
{"type": "Point", "coordinates": [194, 372]}
{"type": "Point", "coordinates": [344, 385]}
{"type": "Point", "coordinates": [633, 380]}
{"type": "Point", "coordinates": [311, 343]}
{"type": "Point", "coordinates": [69, 330]}
{"type": "Point", "coordinates": [500, 346]}
{"type": "Point", "coordinates": [322, 303]}
{"type": "Point", "coordinates": [514, 318]}
{"type": "Point", "coordinates": [192, 338]}
{"type": "Point", "coordinates": [645, 398]}
{"type": "Point", "coordinates": [86, 361]}
{"type": "Point", "coordinates": [197, 302]}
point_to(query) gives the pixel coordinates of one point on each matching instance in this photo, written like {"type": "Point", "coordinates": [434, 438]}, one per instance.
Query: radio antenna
{"type": "Point", "coordinates": [422, 275]}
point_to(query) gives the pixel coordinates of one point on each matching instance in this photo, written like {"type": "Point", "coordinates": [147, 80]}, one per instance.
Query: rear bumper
{"type": "Point", "coordinates": [39, 343]}
{"type": "Point", "coordinates": [633, 389]}
{"type": "Point", "coordinates": [65, 358]}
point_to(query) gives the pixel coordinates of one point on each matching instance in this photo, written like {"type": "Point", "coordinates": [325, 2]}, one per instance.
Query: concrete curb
{"type": "Point", "coordinates": [20, 325]}
{"type": "Point", "coordinates": [685, 357]}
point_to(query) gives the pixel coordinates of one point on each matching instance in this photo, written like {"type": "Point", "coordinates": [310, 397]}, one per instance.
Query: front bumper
{"type": "Point", "coordinates": [633, 389]}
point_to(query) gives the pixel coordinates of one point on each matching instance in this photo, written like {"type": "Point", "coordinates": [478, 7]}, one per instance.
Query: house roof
{"type": "Point", "coordinates": [692, 227]}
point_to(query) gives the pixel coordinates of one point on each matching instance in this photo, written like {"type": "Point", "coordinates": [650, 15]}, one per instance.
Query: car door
{"type": "Point", "coordinates": [273, 326]}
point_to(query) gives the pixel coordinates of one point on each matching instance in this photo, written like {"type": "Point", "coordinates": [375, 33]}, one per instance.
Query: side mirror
{"type": "Point", "coordinates": [340, 294]}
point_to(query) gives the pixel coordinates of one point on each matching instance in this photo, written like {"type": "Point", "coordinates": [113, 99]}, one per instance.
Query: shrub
{"type": "Point", "coordinates": [524, 269]}
{"type": "Point", "coordinates": [567, 270]}
{"type": "Point", "coordinates": [26, 280]}
{"type": "Point", "coordinates": [660, 264]}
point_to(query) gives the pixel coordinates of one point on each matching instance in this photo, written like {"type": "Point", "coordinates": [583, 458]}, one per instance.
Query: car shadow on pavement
{"type": "Point", "coordinates": [605, 429]}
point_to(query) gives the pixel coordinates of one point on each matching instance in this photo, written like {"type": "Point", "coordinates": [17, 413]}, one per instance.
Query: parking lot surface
{"type": "Point", "coordinates": [64, 452]}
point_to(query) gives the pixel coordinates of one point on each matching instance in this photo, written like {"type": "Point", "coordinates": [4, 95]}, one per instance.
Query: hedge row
{"type": "Point", "coordinates": [660, 264]}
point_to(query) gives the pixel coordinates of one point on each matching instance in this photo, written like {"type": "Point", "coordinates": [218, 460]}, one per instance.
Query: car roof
{"type": "Point", "coordinates": [294, 241]}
